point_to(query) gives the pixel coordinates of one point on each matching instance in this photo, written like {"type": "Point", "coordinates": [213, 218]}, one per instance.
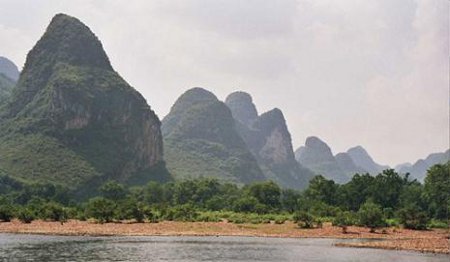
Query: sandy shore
{"type": "Point", "coordinates": [435, 241]}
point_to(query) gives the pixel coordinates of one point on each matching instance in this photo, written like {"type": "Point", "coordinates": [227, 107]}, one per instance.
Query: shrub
{"type": "Point", "coordinates": [304, 219]}
{"type": "Point", "coordinates": [343, 220]}
{"type": "Point", "coordinates": [371, 216]}
{"type": "Point", "coordinates": [101, 209]}
{"type": "Point", "coordinates": [149, 214]}
{"type": "Point", "coordinates": [184, 212]}
{"type": "Point", "coordinates": [438, 224]}
{"type": "Point", "coordinates": [6, 213]}
{"type": "Point", "coordinates": [25, 215]}
{"type": "Point", "coordinates": [413, 218]}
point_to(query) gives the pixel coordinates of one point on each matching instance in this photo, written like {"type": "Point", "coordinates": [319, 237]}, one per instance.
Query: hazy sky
{"type": "Point", "coordinates": [373, 73]}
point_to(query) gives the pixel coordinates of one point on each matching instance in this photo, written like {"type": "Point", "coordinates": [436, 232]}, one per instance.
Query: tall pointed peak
{"type": "Point", "coordinates": [68, 40]}
{"type": "Point", "coordinates": [242, 107]}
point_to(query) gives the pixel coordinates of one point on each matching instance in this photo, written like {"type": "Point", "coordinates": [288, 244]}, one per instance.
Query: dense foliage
{"type": "Point", "coordinates": [373, 202]}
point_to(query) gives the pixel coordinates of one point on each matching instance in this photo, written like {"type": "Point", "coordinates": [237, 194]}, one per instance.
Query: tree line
{"type": "Point", "coordinates": [388, 199]}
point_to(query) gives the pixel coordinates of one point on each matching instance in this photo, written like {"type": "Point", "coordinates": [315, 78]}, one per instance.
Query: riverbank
{"type": "Point", "coordinates": [435, 241]}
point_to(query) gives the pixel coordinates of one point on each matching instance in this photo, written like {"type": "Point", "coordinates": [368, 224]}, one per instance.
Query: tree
{"type": "Point", "coordinates": [113, 191]}
{"type": "Point", "coordinates": [437, 190]}
{"type": "Point", "coordinates": [357, 191]}
{"type": "Point", "coordinates": [101, 209]}
{"type": "Point", "coordinates": [371, 216]}
{"type": "Point", "coordinates": [55, 212]}
{"type": "Point", "coordinates": [267, 193]}
{"type": "Point", "coordinates": [246, 204]}
{"type": "Point", "coordinates": [323, 190]}
{"type": "Point", "coordinates": [153, 193]}
{"type": "Point", "coordinates": [290, 200]}
{"type": "Point", "coordinates": [387, 187]}
{"type": "Point", "coordinates": [130, 208]}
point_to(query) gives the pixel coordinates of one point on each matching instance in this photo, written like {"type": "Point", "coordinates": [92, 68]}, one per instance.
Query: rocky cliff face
{"type": "Point", "coordinates": [269, 140]}
{"type": "Point", "coordinates": [74, 119]}
{"type": "Point", "coordinates": [201, 140]}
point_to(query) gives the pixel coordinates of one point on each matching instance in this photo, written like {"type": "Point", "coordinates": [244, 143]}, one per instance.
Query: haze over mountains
{"type": "Point", "coordinates": [70, 119]}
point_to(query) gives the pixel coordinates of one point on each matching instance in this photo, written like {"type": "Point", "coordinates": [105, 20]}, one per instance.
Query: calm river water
{"type": "Point", "coordinates": [60, 248]}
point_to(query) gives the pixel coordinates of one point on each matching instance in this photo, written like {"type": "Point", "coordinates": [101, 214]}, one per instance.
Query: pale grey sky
{"type": "Point", "coordinates": [353, 72]}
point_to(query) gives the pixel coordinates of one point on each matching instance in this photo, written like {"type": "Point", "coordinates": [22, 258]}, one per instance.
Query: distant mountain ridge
{"type": "Point", "coordinates": [418, 170]}
{"type": "Point", "coordinates": [317, 156]}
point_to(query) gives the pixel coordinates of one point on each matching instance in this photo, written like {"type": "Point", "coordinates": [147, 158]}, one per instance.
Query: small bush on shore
{"type": "Point", "coordinates": [25, 215]}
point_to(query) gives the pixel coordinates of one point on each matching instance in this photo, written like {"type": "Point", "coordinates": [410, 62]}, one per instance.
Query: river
{"type": "Point", "coordinates": [78, 248]}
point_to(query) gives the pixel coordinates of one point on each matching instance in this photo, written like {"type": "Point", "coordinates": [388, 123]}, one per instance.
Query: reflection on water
{"type": "Point", "coordinates": [59, 248]}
